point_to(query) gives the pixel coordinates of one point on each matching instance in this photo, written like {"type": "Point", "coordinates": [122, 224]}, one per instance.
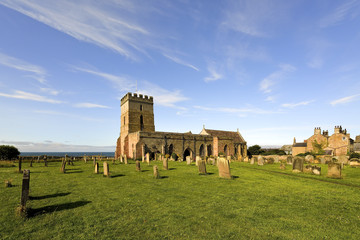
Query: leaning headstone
{"type": "Point", "coordinates": [21, 210]}
{"type": "Point", "coordinates": [165, 164]}
{"type": "Point", "coordinates": [298, 164]}
{"type": "Point", "coordinates": [20, 160]}
{"type": "Point", "coordinates": [106, 169]}
{"type": "Point", "coordinates": [138, 168]}
{"type": "Point", "coordinates": [334, 170]}
{"type": "Point", "coordinates": [156, 172]}
{"type": "Point", "coordinates": [202, 166]}
{"type": "Point", "coordinates": [198, 158]}
{"type": "Point", "coordinates": [224, 168]}
{"type": "Point", "coordinates": [96, 168]}
{"type": "Point", "coordinates": [316, 170]}
{"type": "Point", "coordinates": [260, 161]}
{"type": "Point", "coordinates": [282, 166]}
{"type": "Point", "coordinates": [289, 160]}
{"type": "Point", "coordinates": [125, 159]}
{"type": "Point", "coordinates": [63, 164]}
{"type": "Point", "coordinates": [309, 158]}
{"type": "Point", "coordinates": [188, 160]}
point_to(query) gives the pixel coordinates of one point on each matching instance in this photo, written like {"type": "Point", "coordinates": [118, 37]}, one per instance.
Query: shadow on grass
{"type": "Point", "coordinates": [234, 177]}
{"type": "Point", "coordinates": [117, 175]}
{"type": "Point", "coordinates": [71, 171]}
{"type": "Point", "coordinates": [56, 208]}
{"type": "Point", "coordinates": [145, 170]}
{"type": "Point", "coordinates": [49, 196]}
{"type": "Point", "coordinates": [172, 168]}
{"type": "Point", "coordinates": [163, 177]}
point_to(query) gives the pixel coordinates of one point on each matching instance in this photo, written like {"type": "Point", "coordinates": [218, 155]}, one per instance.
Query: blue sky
{"type": "Point", "coordinates": [274, 69]}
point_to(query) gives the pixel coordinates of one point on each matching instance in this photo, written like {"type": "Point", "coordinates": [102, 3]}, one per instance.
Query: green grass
{"type": "Point", "coordinates": [261, 202]}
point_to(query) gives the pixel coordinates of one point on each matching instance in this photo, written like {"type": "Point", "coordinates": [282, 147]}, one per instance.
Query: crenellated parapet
{"type": "Point", "coordinates": [137, 97]}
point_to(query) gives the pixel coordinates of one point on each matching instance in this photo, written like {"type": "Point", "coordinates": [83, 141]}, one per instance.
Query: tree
{"type": "Point", "coordinates": [8, 152]}
{"type": "Point", "coordinates": [255, 150]}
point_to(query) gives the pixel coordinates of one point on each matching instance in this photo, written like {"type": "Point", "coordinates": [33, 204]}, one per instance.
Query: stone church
{"type": "Point", "coordinates": [138, 135]}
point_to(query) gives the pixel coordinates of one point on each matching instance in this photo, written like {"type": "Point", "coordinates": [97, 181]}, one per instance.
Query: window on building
{"type": "Point", "coordinates": [124, 120]}
{"type": "Point", "coordinates": [141, 123]}
{"type": "Point", "coordinates": [141, 107]}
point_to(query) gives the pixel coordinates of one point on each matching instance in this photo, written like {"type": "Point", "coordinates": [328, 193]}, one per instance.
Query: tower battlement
{"type": "Point", "coordinates": [137, 97]}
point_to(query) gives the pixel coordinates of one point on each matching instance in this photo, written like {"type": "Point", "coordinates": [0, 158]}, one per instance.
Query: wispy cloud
{"type": "Point", "coordinates": [121, 83]}
{"type": "Point", "coordinates": [181, 62]}
{"type": "Point", "coordinates": [29, 96]}
{"type": "Point", "coordinates": [253, 110]}
{"type": "Point", "coordinates": [89, 105]}
{"type": "Point", "coordinates": [346, 99]}
{"type": "Point", "coordinates": [50, 91]}
{"type": "Point", "coordinates": [36, 72]}
{"type": "Point", "coordinates": [349, 9]}
{"type": "Point", "coordinates": [293, 105]}
{"type": "Point", "coordinates": [214, 75]}
{"type": "Point", "coordinates": [266, 85]}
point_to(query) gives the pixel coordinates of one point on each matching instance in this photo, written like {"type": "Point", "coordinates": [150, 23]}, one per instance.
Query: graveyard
{"type": "Point", "coordinates": [182, 202]}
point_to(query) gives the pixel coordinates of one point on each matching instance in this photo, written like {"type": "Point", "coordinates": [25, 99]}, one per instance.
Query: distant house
{"type": "Point", "coordinates": [337, 144]}
{"type": "Point", "coordinates": [287, 149]}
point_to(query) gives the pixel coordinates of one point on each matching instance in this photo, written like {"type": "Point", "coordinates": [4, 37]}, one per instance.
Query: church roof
{"type": "Point", "coordinates": [303, 144]}
{"type": "Point", "coordinates": [236, 136]}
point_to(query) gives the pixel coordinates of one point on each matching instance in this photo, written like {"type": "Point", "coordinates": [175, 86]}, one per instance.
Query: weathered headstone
{"type": "Point", "coordinates": [20, 160]}
{"type": "Point", "coordinates": [138, 168]}
{"type": "Point", "coordinates": [316, 170]}
{"type": "Point", "coordinates": [188, 160]}
{"type": "Point", "coordinates": [22, 211]}
{"type": "Point", "coordinates": [165, 164]}
{"type": "Point", "coordinates": [148, 158]}
{"type": "Point", "coordinates": [142, 158]}
{"type": "Point", "coordinates": [260, 161]}
{"type": "Point", "coordinates": [246, 159]}
{"type": "Point", "coordinates": [276, 159]}
{"type": "Point", "coordinates": [202, 166]}
{"type": "Point", "coordinates": [270, 160]}
{"type": "Point", "coordinates": [289, 160]}
{"type": "Point", "coordinates": [334, 170]}
{"type": "Point", "coordinates": [252, 161]}
{"type": "Point", "coordinates": [125, 159]}
{"type": "Point", "coordinates": [282, 166]}
{"type": "Point", "coordinates": [343, 159]}
{"type": "Point", "coordinates": [298, 164]}
{"type": "Point", "coordinates": [309, 158]}
{"type": "Point", "coordinates": [106, 169]}
{"type": "Point", "coordinates": [156, 172]}
{"type": "Point", "coordinates": [328, 159]}
{"type": "Point", "coordinates": [322, 160]}
{"type": "Point", "coordinates": [211, 161]}
{"type": "Point", "coordinates": [38, 159]}
{"type": "Point", "coordinates": [63, 164]}
{"type": "Point", "coordinates": [96, 168]}
{"type": "Point", "coordinates": [308, 169]}
{"type": "Point", "coordinates": [85, 159]}
{"type": "Point", "coordinates": [94, 161]}
{"type": "Point", "coordinates": [224, 168]}
{"type": "Point", "coordinates": [197, 159]}
{"type": "Point", "coordinates": [45, 160]}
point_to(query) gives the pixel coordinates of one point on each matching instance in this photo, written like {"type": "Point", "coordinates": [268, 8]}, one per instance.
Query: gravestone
{"type": "Point", "coordinates": [94, 161]}
{"type": "Point", "coordinates": [316, 170]}
{"type": "Point", "coordinates": [298, 164]}
{"type": "Point", "coordinates": [85, 159]}
{"type": "Point", "coordinates": [106, 169]}
{"type": "Point", "coordinates": [188, 160]}
{"type": "Point", "coordinates": [246, 159]}
{"type": "Point", "coordinates": [38, 159]}
{"type": "Point", "coordinates": [309, 159]}
{"type": "Point", "coordinates": [282, 166]}
{"type": "Point", "coordinates": [202, 166]}
{"type": "Point", "coordinates": [289, 160]}
{"type": "Point", "coordinates": [138, 168]}
{"type": "Point", "coordinates": [165, 164]}
{"type": "Point", "coordinates": [125, 159]}
{"type": "Point", "coordinates": [20, 161]}
{"type": "Point", "coordinates": [276, 159]}
{"type": "Point", "coordinates": [322, 160]}
{"type": "Point", "coordinates": [63, 164]}
{"type": "Point", "coordinates": [142, 158]}
{"type": "Point", "coordinates": [121, 159]}
{"type": "Point", "coordinates": [22, 211]}
{"type": "Point", "coordinates": [198, 158]}
{"type": "Point", "coordinates": [180, 159]}
{"type": "Point", "coordinates": [148, 158]}
{"type": "Point", "coordinates": [45, 160]}
{"type": "Point", "coordinates": [343, 159]}
{"type": "Point", "coordinates": [211, 161]}
{"type": "Point", "coordinates": [224, 168]}
{"type": "Point", "coordinates": [270, 160]}
{"type": "Point", "coordinates": [31, 161]}
{"type": "Point", "coordinates": [156, 172]}
{"type": "Point", "coordinates": [328, 159]}
{"type": "Point", "coordinates": [334, 170]}
{"type": "Point", "coordinates": [354, 162]}
{"type": "Point", "coordinates": [96, 168]}
{"type": "Point", "coordinates": [260, 161]}
{"type": "Point", "coordinates": [252, 161]}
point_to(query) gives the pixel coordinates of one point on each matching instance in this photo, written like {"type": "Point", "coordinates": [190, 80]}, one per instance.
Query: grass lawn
{"type": "Point", "coordinates": [261, 202]}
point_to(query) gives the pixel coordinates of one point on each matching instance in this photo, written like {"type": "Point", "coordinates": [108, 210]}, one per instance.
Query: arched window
{"type": "Point", "coordinates": [141, 108]}
{"type": "Point", "coordinates": [141, 123]}
{"type": "Point", "coordinates": [201, 150]}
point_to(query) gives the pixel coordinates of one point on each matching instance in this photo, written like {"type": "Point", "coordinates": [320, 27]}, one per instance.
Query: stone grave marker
{"type": "Point", "coordinates": [156, 172]}
{"type": "Point", "coordinates": [63, 164]}
{"type": "Point", "coordinates": [85, 158]}
{"type": "Point", "coordinates": [309, 159]}
{"type": "Point", "coordinates": [343, 159]}
{"type": "Point", "coordinates": [142, 158]}
{"type": "Point", "coordinates": [165, 164]}
{"type": "Point", "coordinates": [260, 161]}
{"type": "Point", "coordinates": [276, 159]}
{"type": "Point", "coordinates": [22, 211]}
{"type": "Point", "coordinates": [246, 159]}
{"type": "Point", "coordinates": [298, 164]}
{"type": "Point", "coordinates": [96, 168]}
{"type": "Point", "coordinates": [282, 166]}
{"type": "Point", "coordinates": [354, 162]}
{"type": "Point", "coordinates": [20, 161]}
{"type": "Point", "coordinates": [138, 168]}
{"type": "Point", "coordinates": [45, 160]}
{"type": "Point", "coordinates": [188, 160]}
{"type": "Point", "coordinates": [224, 168]}
{"type": "Point", "coordinates": [148, 158]}
{"type": "Point", "coordinates": [328, 159]}
{"type": "Point", "coordinates": [198, 158]}
{"type": "Point", "coordinates": [125, 159]}
{"type": "Point", "coordinates": [316, 170]}
{"type": "Point", "coordinates": [289, 160]}
{"type": "Point", "coordinates": [252, 161]}
{"type": "Point", "coordinates": [322, 160]}
{"type": "Point", "coordinates": [308, 169]}
{"type": "Point", "coordinates": [94, 161]}
{"type": "Point", "coordinates": [334, 170]}
{"type": "Point", "coordinates": [202, 166]}
{"type": "Point", "coordinates": [106, 169]}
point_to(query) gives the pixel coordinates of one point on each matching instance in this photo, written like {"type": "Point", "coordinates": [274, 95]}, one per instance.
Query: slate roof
{"type": "Point", "coordinates": [303, 144]}
{"type": "Point", "coordinates": [226, 134]}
